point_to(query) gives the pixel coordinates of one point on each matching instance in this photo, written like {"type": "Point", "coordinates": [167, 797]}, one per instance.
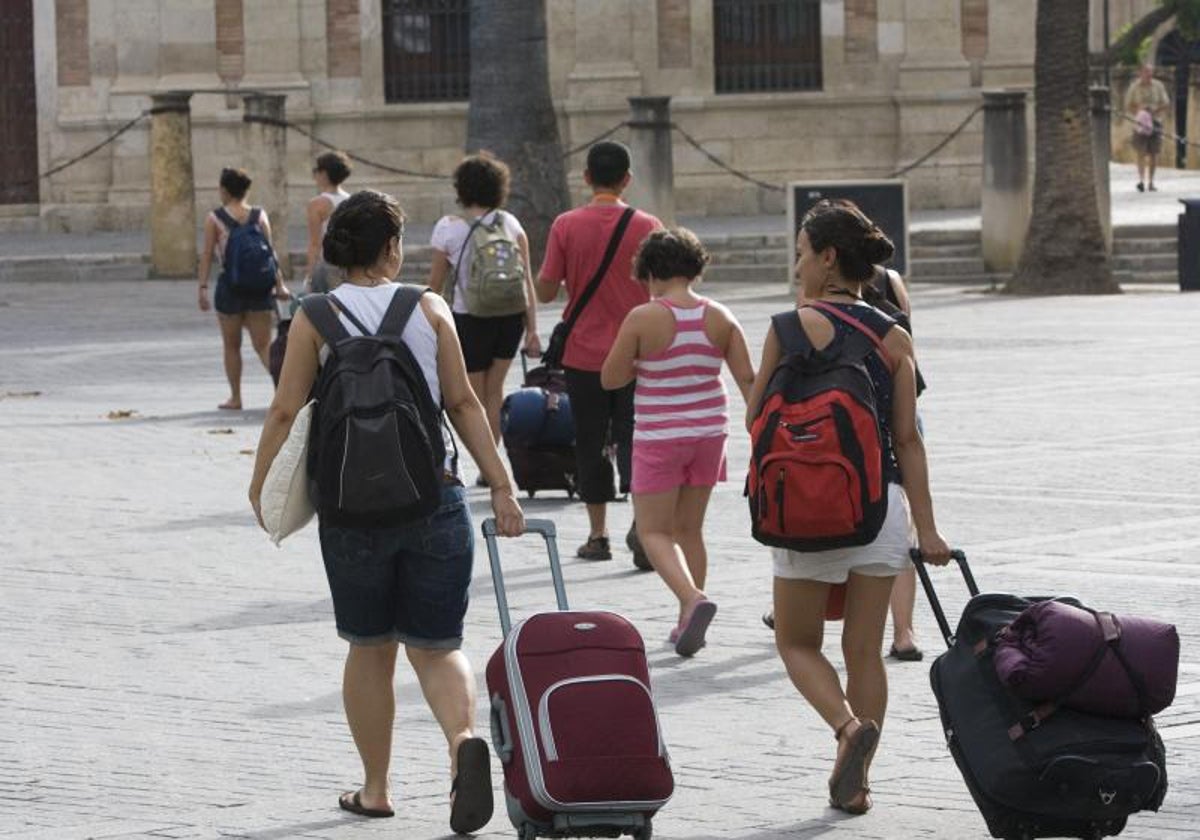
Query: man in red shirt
{"type": "Point", "coordinates": [574, 251]}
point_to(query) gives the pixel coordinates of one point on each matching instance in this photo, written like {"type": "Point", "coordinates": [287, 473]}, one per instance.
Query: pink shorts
{"type": "Point", "coordinates": [662, 465]}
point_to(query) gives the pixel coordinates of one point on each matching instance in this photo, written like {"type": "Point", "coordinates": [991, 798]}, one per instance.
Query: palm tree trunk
{"type": "Point", "coordinates": [511, 113]}
{"type": "Point", "coordinates": [1065, 250]}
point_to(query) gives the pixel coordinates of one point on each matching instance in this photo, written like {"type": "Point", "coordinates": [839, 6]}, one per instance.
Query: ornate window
{"type": "Point", "coordinates": [767, 45]}
{"type": "Point", "coordinates": [426, 56]}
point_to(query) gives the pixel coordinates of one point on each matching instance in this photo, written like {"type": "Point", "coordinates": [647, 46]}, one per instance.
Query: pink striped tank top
{"type": "Point", "coordinates": [679, 394]}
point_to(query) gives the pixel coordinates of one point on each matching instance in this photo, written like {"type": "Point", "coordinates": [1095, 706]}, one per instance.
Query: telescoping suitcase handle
{"type": "Point", "coordinates": [538, 526]}
{"type": "Point", "coordinates": [959, 557]}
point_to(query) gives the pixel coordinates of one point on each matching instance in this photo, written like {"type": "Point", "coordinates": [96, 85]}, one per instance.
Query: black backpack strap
{"type": "Point", "coordinates": [404, 303]}
{"type": "Point", "coordinates": [255, 213]}
{"type": "Point", "coordinates": [874, 326]}
{"type": "Point", "coordinates": [226, 218]}
{"type": "Point", "coordinates": [790, 334]}
{"type": "Point", "coordinates": [609, 254]}
{"type": "Point", "coordinates": [324, 317]}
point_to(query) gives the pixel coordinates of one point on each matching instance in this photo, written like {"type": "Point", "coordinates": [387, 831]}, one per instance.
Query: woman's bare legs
{"type": "Point", "coordinates": [655, 515]}
{"type": "Point", "coordinates": [449, 688]}
{"type": "Point", "coordinates": [369, 697]}
{"type": "Point", "coordinates": [258, 324]}
{"type": "Point", "coordinates": [904, 599]}
{"type": "Point", "coordinates": [492, 395]}
{"type": "Point", "coordinates": [799, 633]}
{"type": "Point", "coordinates": [231, 345]}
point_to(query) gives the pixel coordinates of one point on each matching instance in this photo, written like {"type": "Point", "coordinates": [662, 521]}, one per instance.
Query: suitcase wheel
{"type": "Point", "coordinates": [527, 832]}
{"type": "Point", "coordinates": [532, 493]}
{"type": "Point", "coordinates": [645, 832]}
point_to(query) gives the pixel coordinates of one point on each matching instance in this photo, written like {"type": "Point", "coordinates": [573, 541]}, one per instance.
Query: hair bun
{"type": "Point", "coordinates": [877, 248]}
{"type": "Point", "coordinates": [338, 246]}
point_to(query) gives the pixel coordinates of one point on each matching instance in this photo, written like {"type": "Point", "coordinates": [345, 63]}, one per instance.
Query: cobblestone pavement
{"type": "Point", "coordinates": [165, 672]}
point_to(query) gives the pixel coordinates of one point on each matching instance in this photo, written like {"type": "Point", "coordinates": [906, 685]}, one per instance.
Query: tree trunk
{"type": "Point", "coordinates": [511, 113]}
{"type": "Point", "coordinates": [1065, 251]}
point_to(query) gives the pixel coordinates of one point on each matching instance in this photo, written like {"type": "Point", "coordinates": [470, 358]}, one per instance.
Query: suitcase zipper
{"type": "Point", "coordinates": [548, 744]}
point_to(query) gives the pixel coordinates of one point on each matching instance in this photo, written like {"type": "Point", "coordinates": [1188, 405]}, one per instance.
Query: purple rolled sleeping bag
{"type": "Point", "coordinates": [1046, 653]}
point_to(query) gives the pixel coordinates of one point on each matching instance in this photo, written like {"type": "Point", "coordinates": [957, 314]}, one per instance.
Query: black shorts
{"type": "Point", "coordinates": [486, 339]}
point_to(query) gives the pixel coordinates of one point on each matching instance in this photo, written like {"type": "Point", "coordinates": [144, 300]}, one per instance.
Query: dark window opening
{"type": "Point", "coordinates": [767, 45]}
{"type": "Point", "coordinates": [426, 50]}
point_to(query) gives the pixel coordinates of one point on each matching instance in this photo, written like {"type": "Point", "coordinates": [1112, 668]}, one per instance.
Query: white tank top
{"type": "Point", "coordinates": [335, 198]}
{"type": "Point", "coordinates": [369, 304]}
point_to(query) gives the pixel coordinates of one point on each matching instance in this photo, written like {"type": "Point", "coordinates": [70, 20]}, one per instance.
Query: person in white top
{"type": "Point", "coordinates": [489, 343]}
{"type": "Point", "coordinates": [406, 584]}
{"type": "Point", "coordinates": [329, 172]}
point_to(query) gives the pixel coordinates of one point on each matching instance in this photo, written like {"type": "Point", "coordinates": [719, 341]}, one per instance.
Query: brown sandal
{"type": "Point", "coordinates": [851, 778]}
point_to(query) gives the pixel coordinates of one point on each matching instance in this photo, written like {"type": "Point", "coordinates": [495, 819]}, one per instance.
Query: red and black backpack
{"type": "Point", "coordinates": [816, 477]}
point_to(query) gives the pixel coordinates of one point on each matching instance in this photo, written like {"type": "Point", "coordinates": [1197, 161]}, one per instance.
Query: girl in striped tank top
{"type": "Point", "coordinates": [675, 346]}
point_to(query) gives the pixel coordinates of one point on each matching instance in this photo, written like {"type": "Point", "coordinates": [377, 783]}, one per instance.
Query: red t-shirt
{"type": "Point", "coordinates": [578, 239]}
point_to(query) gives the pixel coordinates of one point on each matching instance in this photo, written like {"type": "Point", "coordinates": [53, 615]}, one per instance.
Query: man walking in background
{"type": "Point", "coordinates": [1147, 102]}
{"type": "Point", "coordinates": [575, 252]}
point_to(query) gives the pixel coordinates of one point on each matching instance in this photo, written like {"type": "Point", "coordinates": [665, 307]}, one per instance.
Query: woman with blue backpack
{"type": "Point", "coordinates": [249, 282]}
{"type": "Point", "coordinates": [838, 479]}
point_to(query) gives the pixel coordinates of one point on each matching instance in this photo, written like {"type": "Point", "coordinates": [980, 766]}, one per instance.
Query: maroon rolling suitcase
{"type": "Point", "coordinates": [573, 718]}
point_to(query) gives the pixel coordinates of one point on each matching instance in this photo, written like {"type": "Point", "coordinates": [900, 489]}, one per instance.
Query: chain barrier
{"type": "Point", "coordinates": [1160, 132]}
{"type": "Point", "coordinates": [945, 142]}
{"type": "Point", "coordinates": [87, 154]}
{"type": "Point", "coordinates": [412, 173]}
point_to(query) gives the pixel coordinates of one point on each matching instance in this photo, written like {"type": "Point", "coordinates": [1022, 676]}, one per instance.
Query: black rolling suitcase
{"type": "Point", "coordinates": [1068, 774]}
{"type": "Point", "coordinates": [539, 433]}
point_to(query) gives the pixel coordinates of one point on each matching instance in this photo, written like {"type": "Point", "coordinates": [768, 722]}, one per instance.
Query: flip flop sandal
{"type": "Point", "coordinates": [471, 809]}
{"type": "Point", "coordinates": [352, 802]}
{"type": "Point", "coordinates": [851, 777]}
{"type": "Point", "coordinates": [691, 634]}
{"type": "Point", "coordinates": [912, 654]}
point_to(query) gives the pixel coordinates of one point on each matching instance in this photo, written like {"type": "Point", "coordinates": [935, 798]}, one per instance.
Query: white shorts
{"type": "Point", "coordinates": [887, 556]}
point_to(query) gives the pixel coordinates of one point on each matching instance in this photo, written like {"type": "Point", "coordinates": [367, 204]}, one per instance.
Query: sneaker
{"type": "Point", "coordinates": [1141, 187]}
{"type": "Point", "coordinates": [596, 548]}
{"type": "Point", "coordinates": [640, 559]}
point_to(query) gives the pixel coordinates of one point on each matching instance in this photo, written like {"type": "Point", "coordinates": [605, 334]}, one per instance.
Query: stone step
{"type": "Point", "coordinates": [75, 268]}
{"type": "Point", "coordinates": [751, 273]}
{"type": "Point", "coordinates": [962, 251]}
{"type": "Point", "coordinates": [945, 267]}
{"type": "Point", "coordinates": [1144, 245]}
{"type": "Point", "coordinates": [921, 238]}
{"type": "Point", "coordinates": [1146, 262]}
{"type": "Point", "coordinates": [748, 256]}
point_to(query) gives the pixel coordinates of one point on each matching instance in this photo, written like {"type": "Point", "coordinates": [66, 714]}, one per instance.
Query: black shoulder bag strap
{"type": "Point", "coordinates": [226, 218]}
{"type": "Point", "coordinates": [790, 334]}
{"type": "Point", "coordinates": [609, 254]}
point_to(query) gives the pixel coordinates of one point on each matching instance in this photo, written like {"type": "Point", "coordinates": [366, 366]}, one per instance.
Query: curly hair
{"type": "Point", "coordinates": [670, 252]}
{"type": "Point", "coordinates": [482, 180]}
{"type": "Point", "coordinates": [360, 228]}
{"type": "Point", "coordinates": [860, 243]}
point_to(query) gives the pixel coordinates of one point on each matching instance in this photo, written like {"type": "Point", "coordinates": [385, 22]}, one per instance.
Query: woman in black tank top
{"type": "Point", "coordinates": [836, 251]}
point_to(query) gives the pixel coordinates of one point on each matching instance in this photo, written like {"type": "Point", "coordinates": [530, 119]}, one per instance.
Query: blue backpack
{"type": "Point", "coordinates": [250, 265]}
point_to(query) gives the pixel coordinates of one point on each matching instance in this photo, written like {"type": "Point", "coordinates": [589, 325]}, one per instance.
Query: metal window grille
{"type": "Point", "coordinates": [767, 45]}
{"type": "Point", "coordinates": [426, 50]}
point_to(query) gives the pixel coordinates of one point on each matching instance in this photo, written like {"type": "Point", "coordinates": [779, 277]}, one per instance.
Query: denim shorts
{"type": "Point", "coordinates": [406, 584]}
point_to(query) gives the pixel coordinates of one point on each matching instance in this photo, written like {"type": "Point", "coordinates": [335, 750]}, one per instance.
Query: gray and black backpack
{"type": "Point", "coordinates": [376, 452]}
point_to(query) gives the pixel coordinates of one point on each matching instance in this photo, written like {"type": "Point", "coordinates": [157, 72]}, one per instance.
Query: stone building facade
{"type": "Point", "coordinates": [781, 89]}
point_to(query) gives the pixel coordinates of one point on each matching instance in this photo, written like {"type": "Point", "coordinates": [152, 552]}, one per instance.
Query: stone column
{"type": "Point", "coordinates": [265, 154]}
{"type": "Point", "coordinates": [172, 187]}
{"type": "Point", "coordinates": [1193, 119]}
{"type": "Point", "coordinates": [1006, 183]}
{"type": "Point", "coordinates": [653, 186]}
{"type": "Point", "coordinates": [1102, 154]}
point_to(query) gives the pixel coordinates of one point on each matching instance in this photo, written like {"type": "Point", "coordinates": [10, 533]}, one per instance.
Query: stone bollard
{"type": "Point", "coordinates": [1006, 203]}
{"type": "Point", "coordinates": [265, 160]}
{"type": "Point", "coordinates": [1193, 120]}
{"type": "Point", "coordinates": [653, 186]}
{"type": "Point", "coordinates": [1102, 154]}
{"type": "Point", "coordinates": [172, 187]}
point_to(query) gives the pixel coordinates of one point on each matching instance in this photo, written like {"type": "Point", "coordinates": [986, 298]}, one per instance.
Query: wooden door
{"type": "Point", "coordinates": [18, 105]}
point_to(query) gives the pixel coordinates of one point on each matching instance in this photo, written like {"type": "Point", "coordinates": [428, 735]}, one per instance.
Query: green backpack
{"type": "Point", "coordinates": [496, 282]}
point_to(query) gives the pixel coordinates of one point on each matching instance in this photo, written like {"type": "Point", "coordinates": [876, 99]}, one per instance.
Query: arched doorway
{"type": "Point", "coordinates": [1179, 53]}
{"type": "Point", "coordinates": [18, 105]}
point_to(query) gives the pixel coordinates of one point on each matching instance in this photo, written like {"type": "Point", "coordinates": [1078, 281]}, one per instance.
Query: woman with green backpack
{"type": "Point", "coordinates": [481, 266]}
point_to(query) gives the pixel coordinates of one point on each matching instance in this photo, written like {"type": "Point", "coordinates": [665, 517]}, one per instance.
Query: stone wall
{"type": "Point", "coordinates": [898, 75]}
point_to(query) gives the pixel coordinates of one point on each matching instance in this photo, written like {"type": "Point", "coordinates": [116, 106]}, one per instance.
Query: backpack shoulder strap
{"type": "Point", "coordinates": [792, 338]}
{"type": "Point", "coordinates": [255, 214]}
{"type": "Point", "coordinates": [226, 218]}
{"type": "Point", "coordinates": [321, 312]}
{"type": "Point", "coordinates": [875, 331]}
{"type": "Point", "coordinates": [400, 310]}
